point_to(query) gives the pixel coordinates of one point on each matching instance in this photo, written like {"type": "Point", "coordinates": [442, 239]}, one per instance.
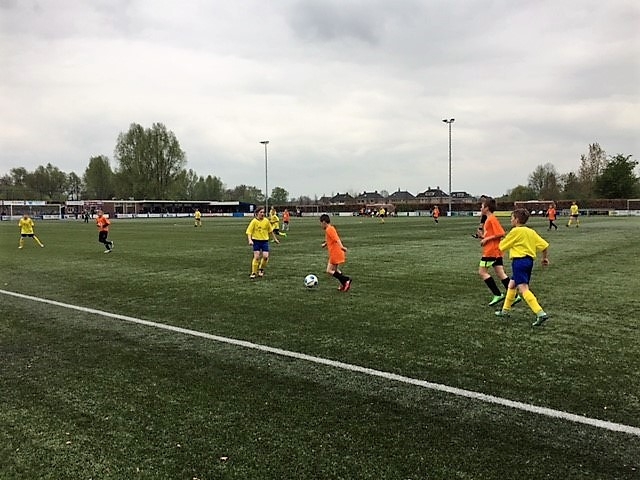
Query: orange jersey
{"type": "Point", "coordinates": [436, 212]}
{"type": "Point", "coordinates": [103, 223]}
{"type": "Point", "coordinates": [551, 213]}
{"type": "Point", "coordinates": [334, 246]}
{"type": "Point", "coordinates": [285, 216]}
{"type": "Point", "coordinates": [492, 227]}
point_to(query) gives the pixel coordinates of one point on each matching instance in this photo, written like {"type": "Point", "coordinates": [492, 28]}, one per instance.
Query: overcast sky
{"type": "Point", "coordinates": [350, 93]}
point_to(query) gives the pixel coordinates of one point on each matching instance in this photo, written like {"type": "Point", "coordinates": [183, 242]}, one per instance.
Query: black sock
{"type": "Point", "coordinates": [491, 283]}
{"type": "Point", "coordinates": [505, 282]}
{"type": "Point", "coordinates": [341, 278]}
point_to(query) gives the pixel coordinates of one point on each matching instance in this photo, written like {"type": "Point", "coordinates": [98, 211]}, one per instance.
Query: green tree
{"type": "Point", "coordinates": [544, 182]}
{"type": "Point", "coordinates": [618, 179]}
{"type": "Point", "coordinates": [570, 186]}
{"type": "Point", "coordinates": [279, 196]}
{"type": "Point", "coordinates": [591, 166]}
{"type": "Point", "coordinates": [150, 161]}
{"type": "Point", "coordinates": [214, 188]}
{"type": "Point", "coordinates": [99, 178]}
{"type": "Point", "coordinates": [6, 188]}
{"type": "Point", "coordinates": [190, 182]}
{"type": "Point", "coordinates": [244, 193]}
{"type": "Point", "coordinates": [522, 193]}
{"type": "Point", "coordinates": [305, 200]}
{"type": "Point", "coordinates": [20, 190]}
{"type": "Point", "coordinates": [73, 186]}
{"type": "Point", "coordinates": [48, 183]}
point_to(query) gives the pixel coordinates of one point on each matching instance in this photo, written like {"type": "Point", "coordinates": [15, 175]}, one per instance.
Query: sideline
{"type": "Point", "coordinates": [548, 412]}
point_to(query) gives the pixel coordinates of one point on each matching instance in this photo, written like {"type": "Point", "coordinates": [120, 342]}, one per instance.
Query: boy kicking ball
{"type": "Point", "coordinates": [337, 253]}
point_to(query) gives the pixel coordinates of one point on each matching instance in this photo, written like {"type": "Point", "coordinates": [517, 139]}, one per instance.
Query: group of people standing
{"type": "Point", "coordinates": [574, 216]}
{"type": "Point", "coordinates": [523, 245]}
{"type": "Point", "coordinates": [262, 228]}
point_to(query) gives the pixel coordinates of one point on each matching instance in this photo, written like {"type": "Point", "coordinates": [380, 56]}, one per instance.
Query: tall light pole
{"type": "Point", "coordinates": [266, 176]}
{"type": "Point", "coordinates": [449, 121]}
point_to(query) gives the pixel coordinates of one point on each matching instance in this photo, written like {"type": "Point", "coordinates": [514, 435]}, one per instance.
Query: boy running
{"type": "Point", "coordinates": [336, 251]}
{"type": "Point", "coordinates": [491, 254]}
{"type": "Point", "coordinates": [552, 215]}
{"type": "Point", "coordinates": [523, 244]}
{"type": "Point", "coordinates": [435, 213]}
{"type": "Point", "coordinates": [103, 231]}
{"type": "Point", "coordinates": [26, 225]}
{"type": "Point", "coordinates": [275, 223]}
{"type": "Point", "coordinates": [574, 213]}
{"type": "Point", "coordinates": [286, 217]}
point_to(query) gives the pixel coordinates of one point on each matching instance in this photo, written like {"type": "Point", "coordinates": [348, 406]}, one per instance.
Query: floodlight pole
{"type": "Point", "coordinates": [449, 121]}
{"type": "Point", "coordinates": [266, 176]}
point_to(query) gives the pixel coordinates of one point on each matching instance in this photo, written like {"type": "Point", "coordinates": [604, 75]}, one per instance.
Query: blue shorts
{"type": "Point", "coordinates": [521, 270]}
{"type": "Point", "coordinates": [260, 245]}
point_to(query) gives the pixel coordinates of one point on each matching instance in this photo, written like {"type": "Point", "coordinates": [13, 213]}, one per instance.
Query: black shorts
{"type": "Point", "coordinates": [491, 262]}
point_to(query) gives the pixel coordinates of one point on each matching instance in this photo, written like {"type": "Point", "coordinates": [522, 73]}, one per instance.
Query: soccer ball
{"type": "Point", "coordinates": [311, 281]}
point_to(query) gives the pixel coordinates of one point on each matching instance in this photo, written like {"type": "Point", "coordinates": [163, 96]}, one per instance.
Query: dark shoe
{"type": "Point", "coordinates": [540, 320]}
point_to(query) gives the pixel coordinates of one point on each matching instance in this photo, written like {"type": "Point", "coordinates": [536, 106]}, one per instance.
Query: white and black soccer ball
{"type": "Point", "coordinates": [311, 281]}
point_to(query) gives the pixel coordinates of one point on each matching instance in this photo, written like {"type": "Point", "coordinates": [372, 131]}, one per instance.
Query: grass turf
{"type": "Point", "coordinates": [92, 397]}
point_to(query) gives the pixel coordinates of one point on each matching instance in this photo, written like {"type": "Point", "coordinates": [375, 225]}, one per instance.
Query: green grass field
{"type": "Point", "coordinates": [90, 396]}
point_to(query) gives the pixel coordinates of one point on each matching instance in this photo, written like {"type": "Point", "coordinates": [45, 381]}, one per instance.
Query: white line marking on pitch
{"type": "Point", "coordinates": [548, 412]}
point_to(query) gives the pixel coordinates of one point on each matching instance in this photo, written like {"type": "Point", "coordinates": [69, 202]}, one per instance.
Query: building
{"type": "Point", "coordinates": [401, 196]}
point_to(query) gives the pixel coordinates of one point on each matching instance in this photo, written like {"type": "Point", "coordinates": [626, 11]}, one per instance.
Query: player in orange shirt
{"type": "Point", "coordinates": [337, 253]}
{"type": "Point", "coordinates": [552, 215]}
{"type": "Point", "coordinates": [286, 216]}
{"type": "Point", "coordinates": [491, 254]}
{"type": "Point", "coordinates": [436, 213]}
{"type": "Point", "coordinates": [103, 231]}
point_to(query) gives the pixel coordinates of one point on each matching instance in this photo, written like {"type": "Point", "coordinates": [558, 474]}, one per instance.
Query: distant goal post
{"type": "Point", "coordinates": [633, 206]}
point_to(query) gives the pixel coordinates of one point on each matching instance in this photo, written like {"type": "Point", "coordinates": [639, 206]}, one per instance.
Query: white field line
{"type": "Point", "coordinates": [548, 412]}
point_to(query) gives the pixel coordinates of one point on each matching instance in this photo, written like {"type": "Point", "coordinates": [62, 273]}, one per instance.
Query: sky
{"type": "Point", "coordinates": [350, 94]}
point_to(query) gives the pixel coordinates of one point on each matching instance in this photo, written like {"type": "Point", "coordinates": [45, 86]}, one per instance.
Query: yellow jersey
{"type": "Point", "coordinates": [259, 229]}
{"type": "Point", "coordinates": [523, 241]}
{"type": "Point", "coordinates": [274, 220]}
{"type": "Point", "coordinates": [26, 226]}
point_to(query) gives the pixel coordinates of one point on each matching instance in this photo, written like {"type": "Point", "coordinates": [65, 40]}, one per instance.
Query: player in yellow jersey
{"type": "Point", "coordinates": [197, 216]}
{"type": "Point", "coordinates": [274, 220]}
{"type": "Point", "coordinates": [574, 213]}
{"type": "Point", "coordinates": [258, 236]}
{"type": "Point", "coordinates": [26, 230]}
{"type": "Point", "coordinates": [523, 244]}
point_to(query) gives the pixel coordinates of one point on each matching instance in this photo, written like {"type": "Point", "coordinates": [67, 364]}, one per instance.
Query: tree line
{"type": "Point", "coordinates": [598, 176]}
{"type": "Point", "coordinates": [151, 165]}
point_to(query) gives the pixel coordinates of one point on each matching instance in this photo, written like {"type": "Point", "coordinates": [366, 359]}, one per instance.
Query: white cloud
{"type": "Point", "coordinates": [351, 94]}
